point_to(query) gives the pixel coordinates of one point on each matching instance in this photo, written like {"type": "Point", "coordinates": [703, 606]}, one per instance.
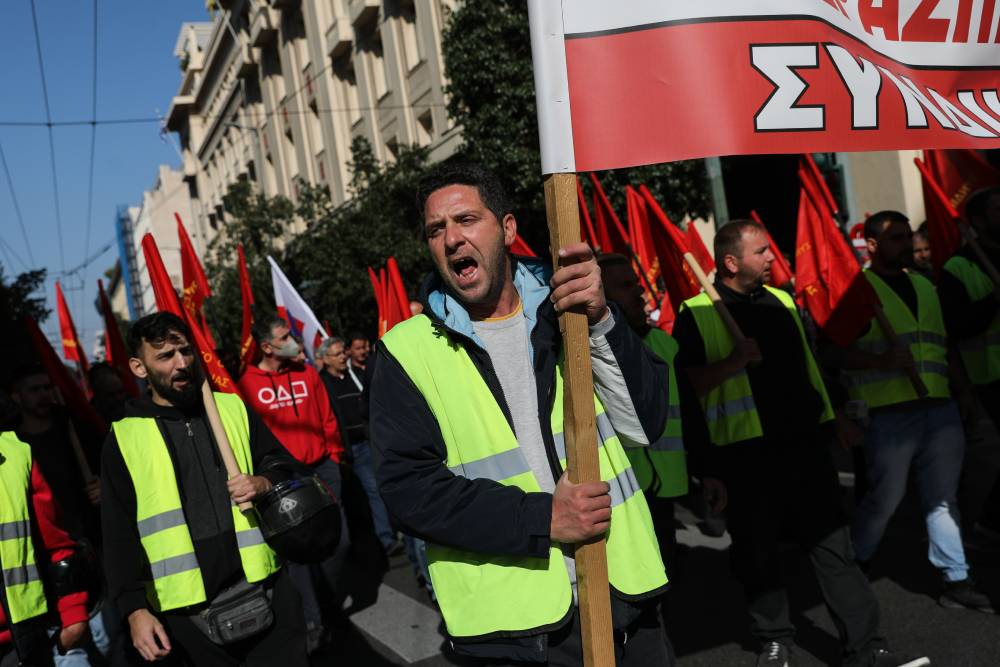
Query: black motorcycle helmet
{"type": "Point", "coordinates": [300, 519]}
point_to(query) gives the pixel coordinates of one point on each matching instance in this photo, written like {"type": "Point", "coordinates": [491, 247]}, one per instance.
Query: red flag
{"type": "Point", "coordinates": [698, 249]}
{"type": "Point", "coordinates": [248, 346]}
{"type": "Point", "coordinates": [195, 284]}
{"type": "Point", "coordinates": [781, 273]}
{"type": "Point", "coordinates": [942, 219]}
{"type": "Point", "coordinates": [611, 235]}
{"type": "Point", "coordinates": [670, 244]}
{"type": "Point", "coordinates": [397, 295]}
{"type": "Point", "coordinates": [667, 316]}
{"type": "Point", "coordinates": [640, 234]}
{"type": "Point", "coordinates": [115, 352]}
{"type": "Point", "coordinates": [519, 247]}
{"type": "Point", "coordinates": [166, 300]}
{"type": "Point", "coordinates": [827, 274]}
{"type": "Point", "coordinates": [587, 232]}
{"type": "Point", "coordinates": [386, 312]}
{"type": "Point", "coordinates": [76, 401]}
{"type": "Point", "coordinates": [960, 173]}
{"type": "Point", "coordinates": [377, 290]}
{"type": "Point", "coordinates": [67, 330]}
{"type": "Point", "coordinates": [816, 176]}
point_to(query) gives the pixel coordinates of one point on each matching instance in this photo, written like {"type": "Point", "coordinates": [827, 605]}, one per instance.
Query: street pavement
{"type": "Point", "coordinates": [706, 620]}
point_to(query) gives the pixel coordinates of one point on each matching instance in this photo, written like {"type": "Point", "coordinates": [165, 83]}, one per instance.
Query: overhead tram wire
{"type": "Point", "coordinates": [17, 207]}
{"type": "Point", "coordinates": [9, 253]}
{"type": "Point", "coordinates": [52, 142]}
{"type": "Point", "coordinates": [93, 146]}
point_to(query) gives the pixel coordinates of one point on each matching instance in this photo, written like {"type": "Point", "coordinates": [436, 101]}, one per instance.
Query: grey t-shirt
{"type": "Point", "coordinates": [506, 342]}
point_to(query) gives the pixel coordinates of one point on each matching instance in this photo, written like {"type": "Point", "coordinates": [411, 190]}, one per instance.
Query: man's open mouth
{"type": "Point", "coordinates": [465, 269]}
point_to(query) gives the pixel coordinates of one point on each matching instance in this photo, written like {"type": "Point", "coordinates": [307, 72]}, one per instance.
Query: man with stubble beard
{"type": "Point", "coordinates": [174, 538]}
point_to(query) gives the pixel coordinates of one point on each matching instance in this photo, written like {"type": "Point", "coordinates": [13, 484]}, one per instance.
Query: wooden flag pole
{"type": "Point", "coordinates": [890, 335]}
{"type": "Point", "coordinates": [580, 428]}
{"type": "Point", "coordinates": [74, 441]}
{"type": "Point", "coordinates": [221, 439]}
{"type": "Point", "coordinates": [713, 294]}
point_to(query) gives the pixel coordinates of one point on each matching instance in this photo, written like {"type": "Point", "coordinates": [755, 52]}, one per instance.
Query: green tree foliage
{"type": "Point", "coordinates": [22, 296]}
{"type": "Point", "coordinates": [491, 95]}
{"type": "Point", "coordinates": [328, 261]}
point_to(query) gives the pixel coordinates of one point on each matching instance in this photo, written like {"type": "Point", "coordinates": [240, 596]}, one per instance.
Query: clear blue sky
{"type": "Point", "coordinates": [137, 75]}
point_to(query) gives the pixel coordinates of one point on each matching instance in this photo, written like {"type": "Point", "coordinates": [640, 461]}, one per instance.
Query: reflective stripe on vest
{"type": "Point", "coordinates": [925, 338]}
{"type": "Point", "coordinates": [480, 594]}
{"type": "Point", "coordinates": [661, 468]}
{"type": "Point", "coordinates": [160, 520]}
{"type": "Point", "coordinates": [980, 354]}
{"type": "Point", "coordinates": [729, 408]}
{"type": "Point", "coordinates": [24, 590]}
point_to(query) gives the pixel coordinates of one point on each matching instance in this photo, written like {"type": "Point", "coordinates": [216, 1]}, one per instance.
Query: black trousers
{"type": "Point", "coordinates": [284, 643]}
{"type": "Point", "coordinates": [645, 644]}
{"type": "Point", "coordinates": [789, 491]}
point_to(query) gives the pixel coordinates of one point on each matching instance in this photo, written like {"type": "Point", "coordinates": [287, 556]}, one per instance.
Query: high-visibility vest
{"type": "Point", "coordinates": [980, 354]}
{"type": "Point", "coordinates": [481, 594]}
{"type": "Point", "coordinates": [21, 580]}
{"type": "Point", "coordinates": [729, 408]}
{"type": "Point", "coordinates": [925, 337]}
{"type": "Point", "coordinates": [661, 468]}
{"type": "Point", "coordinates": [162, 526]}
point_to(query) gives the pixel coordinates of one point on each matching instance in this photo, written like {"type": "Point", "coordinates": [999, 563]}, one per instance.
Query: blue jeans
{"type": "Point", "coordinates": [364, 469]}
{"type": "Point", "coordinates": [931, 441]}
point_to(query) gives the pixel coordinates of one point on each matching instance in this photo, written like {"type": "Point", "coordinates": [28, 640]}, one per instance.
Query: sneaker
{"type": "Point", "coordinates": [964, 595]}
{"type": "Point", "coordinates": [773, 654]}
{"type": "Point", "coordinates": [884, 658]}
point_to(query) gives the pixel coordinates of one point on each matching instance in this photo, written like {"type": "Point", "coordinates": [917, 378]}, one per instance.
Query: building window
{"type": "Point", "coordinates": [392, 150]}
{"type": "Point", "coordinates": [343, 73]}
{"type": "Point", "coordinates": [371, 46]}
{"type": "Point", "coordinates": [425, 128]}
{"type": "Point", "coordinates": [321, 165]}
{"type": "Point", "coordinates": [408, 30]}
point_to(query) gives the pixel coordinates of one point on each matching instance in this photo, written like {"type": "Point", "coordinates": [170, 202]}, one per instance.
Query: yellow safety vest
{"type": "Point", "coordinates": [980, 354]}
{"type": "Point", "coordinates": [162, 526]}
{"type": "Point", "coordinates": [21, 580]}
{"type": "Point", "coordinates": [481, 594]}
{"type": "Point", "coordinates": [925, 337]}
{"type": "Point", "coordinates": [661, 468]}
{"type": "Point", "coordinates": [729, 408]}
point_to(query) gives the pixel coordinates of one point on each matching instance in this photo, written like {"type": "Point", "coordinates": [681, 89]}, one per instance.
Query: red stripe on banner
{"type": "Point", "coordinates": [762, 86]}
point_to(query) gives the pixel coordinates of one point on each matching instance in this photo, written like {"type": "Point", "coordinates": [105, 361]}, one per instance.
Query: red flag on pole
{"type": "Point", "coordinates": [587, 232]}
{"type": "Point", "coordinates": [942, 219]}
{"type": "Point", "coordinates": [781, 272]}
{"type": "Point", "coordinates": [76, 401]}
{"type": "Point", "coordinates": [829, 280]}
{"type": "Point", "coordinates": [397, 294]}
{"type": "Point", "coordinates": [640, 234]}
{"type": "Point", "coordinates": [67, 330]}
{"type": "Point", "coordinates": [248, 346]}
{"type": "Point", "coordinates": [960, 173]}
{"type": "Point", "coordinates": [816, 176]}
{"type": "Point", "coordinates": [115, 352]}
{"type": "Point", "coordinates": [166, 300]}
{"type": "Point", "coordinates": [519, 247]}
{"type": "Point", "coordinates": [698, 249]}
{"type": "Point", "coordinates": [194, 282]}
{"type": "Point", "coordinates": [611, 235]}
{"type": "Point", "coordinates": [670, 244]}
{"type": "Point", "coordinates": [377, 290]}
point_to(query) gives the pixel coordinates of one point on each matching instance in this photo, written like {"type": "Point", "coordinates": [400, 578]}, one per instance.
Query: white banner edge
{"type": "Point", "coordinates": [548, 58]}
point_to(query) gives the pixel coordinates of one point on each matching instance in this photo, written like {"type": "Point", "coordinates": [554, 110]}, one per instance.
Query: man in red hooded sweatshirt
{"type": "Point", "coordinates": [291, 399]}
{"type": "Point", "coordinates": [24, 493]}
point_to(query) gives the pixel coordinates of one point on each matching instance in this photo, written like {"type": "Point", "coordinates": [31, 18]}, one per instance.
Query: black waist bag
{"type": "Point", "coordinates": [237, 613]}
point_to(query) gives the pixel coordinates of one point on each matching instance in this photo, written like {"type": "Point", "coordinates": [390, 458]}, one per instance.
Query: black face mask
{"type": "Point", "coordinates": [186, 398]}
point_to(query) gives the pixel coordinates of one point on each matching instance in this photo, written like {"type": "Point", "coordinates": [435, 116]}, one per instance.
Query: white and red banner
{"type": "Point", "coordinates": [635, 82]}
{"type": "Point", "coordinates": [294, 310]}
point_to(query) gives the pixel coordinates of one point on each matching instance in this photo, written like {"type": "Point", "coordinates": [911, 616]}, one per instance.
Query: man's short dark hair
{"type": "Point", "coordinates": [263, 329]}
{"type": "Point", "coordinates": [491, 190]}
{"type": "Point", "coordinates": [729, 238]}
{"type": "Point", "coordinates": [155, 329]}
{"type": "Point", "coordinates": [876, 222]}
{"type": "Point", "coordinates": [979, 201]}
{"type": "Point", "coordinates": [99, 368]}
{"type": "Point", "coordinates": [356, 335]}
{"type": "Point", "coordinates": [922, 232]}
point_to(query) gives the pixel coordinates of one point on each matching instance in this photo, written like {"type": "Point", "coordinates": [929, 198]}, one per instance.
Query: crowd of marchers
{"type": "Point", "coordinates": [227, 529]}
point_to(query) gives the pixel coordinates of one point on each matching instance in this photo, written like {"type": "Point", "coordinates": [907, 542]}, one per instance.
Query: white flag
{"type": "Point", "coordinates": [295, 310]}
